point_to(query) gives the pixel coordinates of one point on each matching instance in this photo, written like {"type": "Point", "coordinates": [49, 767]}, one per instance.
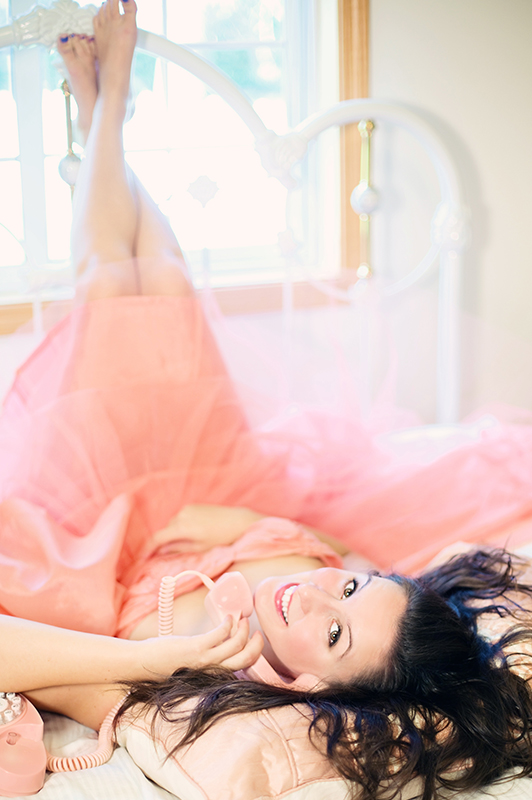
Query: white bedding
{"type": "Point", "coordinates": [119, 779]}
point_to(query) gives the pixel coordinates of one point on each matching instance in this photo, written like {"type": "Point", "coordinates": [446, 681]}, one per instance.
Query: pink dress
{"type": "Point", "coordinates": [126, 412]}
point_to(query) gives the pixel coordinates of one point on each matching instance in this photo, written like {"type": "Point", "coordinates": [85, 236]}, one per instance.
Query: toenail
{"type": "Point", "coordinates": [64, 38]}
{"type": "Point", "coordinates": [72, 35]}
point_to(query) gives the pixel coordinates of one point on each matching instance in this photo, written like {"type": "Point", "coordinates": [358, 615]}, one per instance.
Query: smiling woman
{"type": "Point", "coordinates": [418, 677]}
{"type": "Point", "coordinates": [329, 623]}
{"type": "Point", "coordinates": [127, 455]}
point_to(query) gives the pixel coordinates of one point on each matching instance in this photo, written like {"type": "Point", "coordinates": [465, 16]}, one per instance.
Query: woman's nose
{"type": "Point", "coordinates": [313, 598]}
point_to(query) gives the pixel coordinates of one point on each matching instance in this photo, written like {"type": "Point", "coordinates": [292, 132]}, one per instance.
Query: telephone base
{"type": "Point", "coordinates": [22, 752]}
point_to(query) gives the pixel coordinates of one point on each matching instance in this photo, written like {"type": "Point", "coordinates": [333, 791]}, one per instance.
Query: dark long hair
{"type": "Point", "coordinates": [446, 706]}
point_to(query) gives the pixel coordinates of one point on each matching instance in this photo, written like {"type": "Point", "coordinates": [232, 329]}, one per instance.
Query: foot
{"type": "Point", "coordinates": [115, 35]}
{"type": "Point", "coordinates": [79, 56]}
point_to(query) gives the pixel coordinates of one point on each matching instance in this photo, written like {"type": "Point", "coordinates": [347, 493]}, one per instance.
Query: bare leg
{"type": "Point", "coordinates": [115, 220]}
{"type": "Point", "coordinates": [105, 210]}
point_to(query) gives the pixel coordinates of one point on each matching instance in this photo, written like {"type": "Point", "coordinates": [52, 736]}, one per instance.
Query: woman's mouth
{"type": "Point", "coordinates": [283, 598]}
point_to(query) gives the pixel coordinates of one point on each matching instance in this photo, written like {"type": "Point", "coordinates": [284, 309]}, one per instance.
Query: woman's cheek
{"type": "Point", "coordinates": [298, 651]}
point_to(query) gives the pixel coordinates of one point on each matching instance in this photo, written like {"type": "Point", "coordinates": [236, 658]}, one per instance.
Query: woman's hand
{"type": "Point", "coordinates": [165, 654]}
{"type": "Point", "coordinates": [199, 527]}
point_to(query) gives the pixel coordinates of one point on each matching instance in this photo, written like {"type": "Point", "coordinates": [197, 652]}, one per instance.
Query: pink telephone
{"type": "Point", "coordinates": [23, 757]}
{"type": "Point", "coordinates": [22, 753]}
{"type": "Point", "coordinates": [229, 595]}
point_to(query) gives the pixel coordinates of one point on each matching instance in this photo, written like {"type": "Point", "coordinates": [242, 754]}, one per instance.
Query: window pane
{"type": "Point", "coordinates": [199, 118]}
{"type": "Point", "coordinates": [226, 20]}
{"type": "Point", "coordinates": [10, 214]}
{"type": "Point", "coordinates": [58, 211]}
{"type": "Point", "coordinates": [8, 110]}
{"type": "Point", "coordinates": [258, 71]}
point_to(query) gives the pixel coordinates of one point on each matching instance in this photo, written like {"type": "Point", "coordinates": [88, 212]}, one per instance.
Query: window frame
{"type": "Point", "coordinates": [353, 23]}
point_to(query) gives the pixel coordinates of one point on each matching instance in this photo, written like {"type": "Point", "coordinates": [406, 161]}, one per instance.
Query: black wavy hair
{"type": "Point", "coordinates": [447, 707]}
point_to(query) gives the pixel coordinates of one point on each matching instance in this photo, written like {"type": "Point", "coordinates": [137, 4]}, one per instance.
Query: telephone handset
{"type": "Point", "coordinates": [230, 594]}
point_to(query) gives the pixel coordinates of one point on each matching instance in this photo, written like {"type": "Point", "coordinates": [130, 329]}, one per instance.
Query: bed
{"type": "Point", "coordinates": [129, 772]}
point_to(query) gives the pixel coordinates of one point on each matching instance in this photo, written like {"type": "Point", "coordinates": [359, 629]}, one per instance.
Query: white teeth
{"type": "Point", "coordinates": [285, 601]}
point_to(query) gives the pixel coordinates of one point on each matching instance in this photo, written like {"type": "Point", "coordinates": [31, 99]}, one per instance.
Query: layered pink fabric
{"type": "Point", "coordinates": [125, 413]}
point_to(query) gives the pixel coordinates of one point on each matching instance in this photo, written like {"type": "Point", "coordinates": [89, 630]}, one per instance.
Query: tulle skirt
{"type": "Point", "coordinates": [126, 412]}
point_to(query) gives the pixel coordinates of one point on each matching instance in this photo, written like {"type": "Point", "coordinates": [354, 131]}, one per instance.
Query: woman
{"type": "Point", "coordinates": [77, 528]}
{"type": "Point", "coordinates": [125, 419]}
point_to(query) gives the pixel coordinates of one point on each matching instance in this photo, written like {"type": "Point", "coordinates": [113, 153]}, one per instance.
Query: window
{"type": "Point", "coordinates": [192, 151]}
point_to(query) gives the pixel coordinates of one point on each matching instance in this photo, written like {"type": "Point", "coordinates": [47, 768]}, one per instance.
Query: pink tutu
{"type": "Point", "coordinates": [126, 412]}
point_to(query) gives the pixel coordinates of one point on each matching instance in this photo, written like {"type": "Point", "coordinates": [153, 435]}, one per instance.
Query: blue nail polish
{"type": "Point", "coordinates": [72, 35]}
{"type": "Point", "coordinates": [64, 38]}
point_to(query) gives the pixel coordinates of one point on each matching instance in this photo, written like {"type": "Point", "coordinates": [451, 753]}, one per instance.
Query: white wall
{"type": "Point", "coordinates": [467, 64]}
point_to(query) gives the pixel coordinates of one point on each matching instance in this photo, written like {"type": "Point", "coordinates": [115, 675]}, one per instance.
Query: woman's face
{"type": "Point", "coordinates": [329, 623]}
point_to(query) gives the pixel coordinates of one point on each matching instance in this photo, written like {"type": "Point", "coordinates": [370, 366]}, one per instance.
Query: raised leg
{"type": "Point", "coordinates": [121, 243]}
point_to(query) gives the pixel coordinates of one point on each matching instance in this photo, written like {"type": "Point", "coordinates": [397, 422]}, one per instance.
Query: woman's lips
{"type": "Point", "coordinates": [283, 598]}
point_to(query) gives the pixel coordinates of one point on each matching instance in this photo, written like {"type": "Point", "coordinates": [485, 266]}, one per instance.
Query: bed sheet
{"type": "Point", "coordinates": [119, 779]}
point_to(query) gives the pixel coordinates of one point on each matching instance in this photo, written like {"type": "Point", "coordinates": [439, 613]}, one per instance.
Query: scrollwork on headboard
{"type": "Point", "coordinates": [43, 25]}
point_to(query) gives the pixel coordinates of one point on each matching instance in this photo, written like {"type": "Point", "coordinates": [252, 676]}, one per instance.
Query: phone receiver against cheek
{"type": "Point", "coordinates": [230, 595]}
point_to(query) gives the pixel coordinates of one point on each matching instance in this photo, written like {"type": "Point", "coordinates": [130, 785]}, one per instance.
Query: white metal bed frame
{"type": "Point", "coordinates": [449, 231]}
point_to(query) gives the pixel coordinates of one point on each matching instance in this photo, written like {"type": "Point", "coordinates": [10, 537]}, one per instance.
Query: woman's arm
{"type": "Point", "coordinates": [197, 528]}
{"type": "Point", "coordinates": [35, 656]}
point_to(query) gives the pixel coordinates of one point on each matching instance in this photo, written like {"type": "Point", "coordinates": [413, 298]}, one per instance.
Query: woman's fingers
{"type": "Point", "coordinates": [246, 657]}
{"type": "Point", "coordinates": [230, 635]}
{"type": "Point", "coordinates": [227, 645]}
{"type": "Point", "coordinates": [232, 650]}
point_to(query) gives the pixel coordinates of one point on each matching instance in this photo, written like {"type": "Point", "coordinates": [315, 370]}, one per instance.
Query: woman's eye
{"type": "Point", "coordinates": [350, 588]}
{"type": "Point", "coordinates": [334, 633]}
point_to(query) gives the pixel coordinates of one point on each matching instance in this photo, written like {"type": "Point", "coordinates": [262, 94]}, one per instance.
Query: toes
{"type": "Point", "coordinates": [82, 46]}
{"type": "Point", "coordinates": [129, 6]}
{"type": "Point", "coordinates": [100, 15]}
{"type": "Point", "coordinates": [64, 44]}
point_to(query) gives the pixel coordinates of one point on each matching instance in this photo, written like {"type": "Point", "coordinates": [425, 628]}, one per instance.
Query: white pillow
{"type": "Point", "coordinates": [265, 754]}
{"type": "Point", "coordinates": [258, 756]}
